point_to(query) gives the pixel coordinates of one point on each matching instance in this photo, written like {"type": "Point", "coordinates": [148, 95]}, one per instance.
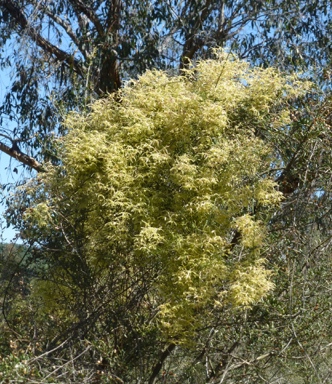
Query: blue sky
{"type": "Point", "coordinates": [6, 174]}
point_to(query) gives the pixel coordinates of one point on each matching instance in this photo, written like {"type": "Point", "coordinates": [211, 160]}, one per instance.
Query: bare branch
{"type": "Point", "coordinates": [23, 158]}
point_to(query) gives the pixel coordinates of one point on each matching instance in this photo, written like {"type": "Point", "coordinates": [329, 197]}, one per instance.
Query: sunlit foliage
{"type": "Point", "coordinates": [166, 176]}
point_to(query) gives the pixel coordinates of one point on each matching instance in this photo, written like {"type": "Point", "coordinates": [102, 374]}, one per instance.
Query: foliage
{"type": "Point", "coordinates": [156, 221]}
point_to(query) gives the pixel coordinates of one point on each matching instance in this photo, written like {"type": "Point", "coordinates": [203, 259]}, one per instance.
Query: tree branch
{"type": "Point", "coordinates": [113, 17]}
{"type": "Point", "coordinates": [23, 23]}
{"type": "Point", "coordinates": [66, 26]}
{"type": "Point", "coordinates": [21, 157]}
{"type": "Point", "coordinates": [109, 80]}
{"type": "Point", "coordinates": [90, 14]}
{"type": "Point", "coordinates": [156, 369]}
{"type": "Point", "coordinates": [192, 43]}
